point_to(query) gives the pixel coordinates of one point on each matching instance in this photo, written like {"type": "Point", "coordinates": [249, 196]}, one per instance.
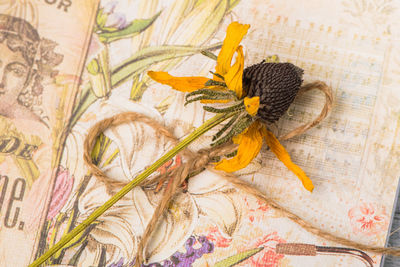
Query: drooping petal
{"type": "Point", "coordinates": [284, 156]}
{"type": "Point", "coordinates": [252, 104]}
{"type": "Point", "coordinates": [183, 84]}
{"type": "Point", "coordinates": [250, 143]}
{"type": "Point", "coordinates": [234, 36]}
{"type": "Point", "coordinates": [234, 76]}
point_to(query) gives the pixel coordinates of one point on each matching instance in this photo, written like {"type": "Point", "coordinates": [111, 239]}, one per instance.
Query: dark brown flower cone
{"type": "Point", "coordinates": [276, 84]}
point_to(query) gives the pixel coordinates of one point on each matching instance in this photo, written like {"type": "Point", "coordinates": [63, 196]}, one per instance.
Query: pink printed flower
{"type": "Point", "coordinates": [217, 238]}
{"type": "Point", "coordinates": [170, 165]}
{"type": "Point", "coordinates": [267, 257]}
{"type": "Point", "coordinates": [95, 47]}
{"type": "Point", "coordinates": [255, 208]}
{"type": "Point", "coordinates": [117, 20]}
{"type": "Point", "coordinates": [61, 192]}
{"type": "Point", "coordinates": [114, 19]}
{"type": "Point", "coordinates": [368, 219]}
{"type": "Point", "coordinates": [262, 206]}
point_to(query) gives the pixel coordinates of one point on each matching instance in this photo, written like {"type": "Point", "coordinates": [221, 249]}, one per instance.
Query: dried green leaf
{"type": "Point", "coordinates": [93, 67]}
{"type": "Point", "coordinates": [238, 258]}
{"type": "Point", "coordinates": [101, 18]}
{"type": "Point", "coordinates": [134, 28]}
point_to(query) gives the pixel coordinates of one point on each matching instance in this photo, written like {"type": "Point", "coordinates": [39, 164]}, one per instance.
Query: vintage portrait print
{"type": "Point", "coordinates": [26, 59]}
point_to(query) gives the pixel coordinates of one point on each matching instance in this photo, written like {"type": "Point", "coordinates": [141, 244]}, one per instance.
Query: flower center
{"type": "Point", "coordinates": [276, 84]}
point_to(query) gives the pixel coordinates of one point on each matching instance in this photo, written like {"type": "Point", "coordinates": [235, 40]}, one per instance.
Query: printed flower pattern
{"type": "Point", "coordinates": [219, 240]}
{"type": "Point", "coordinates": [379, 17]}
{"type": "Point", "coordinates": [255, 208]}
{"type": "Point", "coordinates": [118, 231]}
{"type": "Point", "coordinates": [195, 249]}
{"type": "Point", "coordinates": [61, 192]}
{"type": "Point", "coordinates": [267, 257]}
{"type": "Point", "coordinates": [120, 263]}
{"type": "Point", "coordinates": [368, 219]}
{"type": "Point", "coordinates": [114, 19]}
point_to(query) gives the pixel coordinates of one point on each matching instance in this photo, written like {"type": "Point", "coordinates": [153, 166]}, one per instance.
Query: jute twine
{"type": "Point", "coordinates": [196, 162]}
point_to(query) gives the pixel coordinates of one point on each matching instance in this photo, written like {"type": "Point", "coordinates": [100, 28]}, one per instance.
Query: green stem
{"type": "Point", "coordinates": [104, 59]}
{"type": "Point", "coordinates": [209, 124]}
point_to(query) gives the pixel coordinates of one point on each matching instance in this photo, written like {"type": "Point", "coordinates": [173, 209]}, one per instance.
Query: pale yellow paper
{"type": "Point", "coordinates": [43, 47]}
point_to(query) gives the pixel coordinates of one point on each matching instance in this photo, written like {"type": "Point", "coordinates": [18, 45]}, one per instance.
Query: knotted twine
{"type": "Point", "coordinates": [195, 162]}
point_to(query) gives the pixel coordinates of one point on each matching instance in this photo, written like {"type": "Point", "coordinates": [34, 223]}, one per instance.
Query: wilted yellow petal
{"type": "Point", "coordinates": [234, 35]}
{"type": "Point", "coordinates": [233, 78]}
{"type": "Point", "coordinates": [250, 143]}
{"type": "Point", "coordinates": [183, 84]}
{"type": "Point", "coordinates": [252, 104]}
{"type": "Point", "coordinates": [284, 156]}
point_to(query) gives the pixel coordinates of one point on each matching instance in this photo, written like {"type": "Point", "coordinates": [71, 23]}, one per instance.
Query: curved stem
{"type": "Point", "coordinates": [209, 124]}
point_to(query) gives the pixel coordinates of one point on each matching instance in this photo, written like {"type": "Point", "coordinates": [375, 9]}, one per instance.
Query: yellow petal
{"type": "Point", "coordinates": [183, 84]}
{"type": "Point", "coordinates": [284, 156]}
{"type": "Point", "coordinates": [250, 143]}
{"type": "Point", "coordinates": [252, 104]}
{"type": "Point", "coordinates": [234, 36]}
{"type": "Point", "coordinates": [233, 78]}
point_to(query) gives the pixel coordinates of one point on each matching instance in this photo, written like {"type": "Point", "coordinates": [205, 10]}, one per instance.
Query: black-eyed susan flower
{"type": "Point", "coordinates": [255, 95]}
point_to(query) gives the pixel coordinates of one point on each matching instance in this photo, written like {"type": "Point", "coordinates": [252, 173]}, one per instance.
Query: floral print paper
{"type": "Point", "coordinates": [350, 157]}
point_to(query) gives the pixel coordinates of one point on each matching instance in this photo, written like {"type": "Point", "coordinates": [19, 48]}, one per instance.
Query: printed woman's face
{"type": "Point", "coordinates": [13, 72]}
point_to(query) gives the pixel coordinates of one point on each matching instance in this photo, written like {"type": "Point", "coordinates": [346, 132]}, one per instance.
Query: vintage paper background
{"type": "Point", "coordinates": [351, 157]}
{"type": "Point", "coordinates": [43, 48]}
